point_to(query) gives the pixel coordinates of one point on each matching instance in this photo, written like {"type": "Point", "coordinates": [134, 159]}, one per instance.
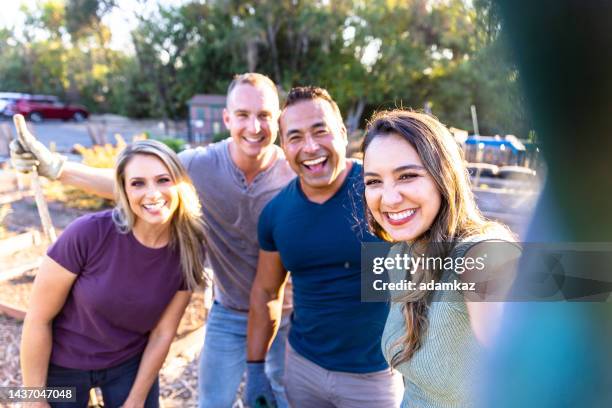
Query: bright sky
{"type": "Point", "coordinates": [120, 20]}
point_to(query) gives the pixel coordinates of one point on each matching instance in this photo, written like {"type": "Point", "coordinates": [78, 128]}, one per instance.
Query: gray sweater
{"type": "Point", "coordinates": [443, 372]}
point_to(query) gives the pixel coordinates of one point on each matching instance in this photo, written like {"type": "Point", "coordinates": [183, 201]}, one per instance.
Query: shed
{"type": "Point", "coordinates": [205, 117]}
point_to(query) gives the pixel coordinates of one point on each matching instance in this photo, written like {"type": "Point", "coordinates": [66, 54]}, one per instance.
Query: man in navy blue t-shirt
{"type": "Point", "coordinates": [314, 229]}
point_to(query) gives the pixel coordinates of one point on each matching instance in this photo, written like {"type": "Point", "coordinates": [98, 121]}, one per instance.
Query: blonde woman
{"type": "Point", "coordinates": [109, 295]}
{"type": "Point", "coordinates": [417, 194]}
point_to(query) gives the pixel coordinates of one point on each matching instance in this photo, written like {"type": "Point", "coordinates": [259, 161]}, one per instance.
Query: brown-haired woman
{"type": "Point", "coordinates": [417, 194]}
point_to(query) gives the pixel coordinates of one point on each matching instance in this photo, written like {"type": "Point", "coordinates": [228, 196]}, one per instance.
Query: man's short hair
{"type": "Point", "coordinates": [309, 93]}
{"type": "Point", "coordinates": [251, 78]}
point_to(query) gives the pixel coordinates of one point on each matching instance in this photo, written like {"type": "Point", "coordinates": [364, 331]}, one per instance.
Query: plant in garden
{"type": "Point", "coordinates": [176, 144]}
{"type": "Point", "coordinates": [217, 137]}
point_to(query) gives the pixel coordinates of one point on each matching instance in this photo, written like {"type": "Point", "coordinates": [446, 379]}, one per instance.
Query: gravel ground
{"type": "Point", "coordinates": [16, 291]}
{"type": "Point", "coordinates": [24, 215]}
{"type": "Point", "coordinates": [10, 336]}
{"type": "Point", "coordinates": [179, 383]}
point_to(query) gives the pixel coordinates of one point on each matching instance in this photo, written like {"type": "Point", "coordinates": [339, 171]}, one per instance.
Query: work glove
{"type": "Point", "coordinates": [29, 152]}
{"type": "Point", "coordinates": [258, 391]}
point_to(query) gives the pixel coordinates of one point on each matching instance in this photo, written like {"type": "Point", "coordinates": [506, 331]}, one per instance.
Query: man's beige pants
{"type": "Point", "coordinates": [309, 385]}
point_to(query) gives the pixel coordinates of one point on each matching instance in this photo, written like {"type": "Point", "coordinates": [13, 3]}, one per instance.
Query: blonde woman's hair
{"type": "Point", "coordinates": [457, 218]}
{"type": "Point", "coordinates": [186, 226]}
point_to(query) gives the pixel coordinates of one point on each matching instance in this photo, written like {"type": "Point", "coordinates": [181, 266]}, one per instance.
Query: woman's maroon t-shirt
{"type": "Point", "coordinates": [119, 295]}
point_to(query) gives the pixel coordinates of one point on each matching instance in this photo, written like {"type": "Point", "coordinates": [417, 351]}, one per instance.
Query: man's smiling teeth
{"type": "Point", "coordinates": [400, 215]}
{"type": "Point", "coordinates": [314, 161]}
{"type": "Point", "coordinates": [154, 206]}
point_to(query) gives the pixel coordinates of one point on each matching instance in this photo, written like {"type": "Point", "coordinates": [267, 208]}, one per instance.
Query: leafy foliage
{"type": "Point", "coordinates": [217, 137]}
{"type": "Point", "coordinates": [369, 55]}
{"type": "Point", "coordinates": [178, 145]}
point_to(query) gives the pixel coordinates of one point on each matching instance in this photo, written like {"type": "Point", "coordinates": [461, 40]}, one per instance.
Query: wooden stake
{"type": "Point", "coordinates": [41, 204]}
{"type": "Point", "coordinates": [474, 120]}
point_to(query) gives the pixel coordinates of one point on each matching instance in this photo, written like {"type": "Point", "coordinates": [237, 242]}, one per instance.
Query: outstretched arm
{"type": "Point", "coordinates": [91, 179]}
{"type": "Point", "coordinates": [29, 152]}
{"type": "Point", "coordinates": [493, 282]}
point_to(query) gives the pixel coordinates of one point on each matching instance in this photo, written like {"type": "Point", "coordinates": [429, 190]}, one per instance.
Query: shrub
{"type": "Point", "coordinates": [217, 137]}
{"type": "Point", "coordinates": [176, 144]}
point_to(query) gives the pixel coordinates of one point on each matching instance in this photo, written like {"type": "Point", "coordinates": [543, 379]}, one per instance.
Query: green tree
{"type": "Point", "coordinates": [369, 55]}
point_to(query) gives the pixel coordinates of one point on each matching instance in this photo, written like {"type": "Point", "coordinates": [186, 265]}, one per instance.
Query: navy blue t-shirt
{"type": "Point", "coordinates": [320, 244]}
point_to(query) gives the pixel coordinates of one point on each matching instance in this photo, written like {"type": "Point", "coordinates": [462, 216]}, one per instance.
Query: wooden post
{"type": "Point", "coordinates": [5, 139]}
{"type": "Point", "coordinates": [7, 135]}
{"type": "Point", "coordinates": [41, 204]}
{"type": "Point", "coordinates": [475, 120]}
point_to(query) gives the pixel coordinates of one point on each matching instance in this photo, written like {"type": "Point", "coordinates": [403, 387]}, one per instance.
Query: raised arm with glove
{"type": "Point", "coordinates": [29, 152]}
